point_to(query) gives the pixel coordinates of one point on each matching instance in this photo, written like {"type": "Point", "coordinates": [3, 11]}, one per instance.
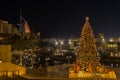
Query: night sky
{"type": "Point", "coordinates": [64, 18]}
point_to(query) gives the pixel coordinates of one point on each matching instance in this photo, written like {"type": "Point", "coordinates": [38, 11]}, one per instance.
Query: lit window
{"type": "Point", "coordinates": [0, 61]}
{"type": "Point", "coordinates": [119, 39]}
{"type": "Point", "coordinates": [1, 38]}
{"type": "Point", "coordinates": [70, 42]}
{"type": "Point", "coordinates": [111, 54]}
{"type": "Point", "coordinates": [114, 45]}
{"type": "Point", "coordinates": [116, 54]}
{"type": "Point", "coordinates": [119, 54]}
{"type": "Point", "coordinates": [108, 45]}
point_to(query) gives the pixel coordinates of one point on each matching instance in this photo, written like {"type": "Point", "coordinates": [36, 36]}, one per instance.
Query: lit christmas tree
{"type": "Point", "coordinates": [88, 58]}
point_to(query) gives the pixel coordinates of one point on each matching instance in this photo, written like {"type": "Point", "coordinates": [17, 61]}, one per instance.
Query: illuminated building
{"type": "Point", "coordinates": [106, 46]}
{"type": "Point", "coordinates": [6, 31]}
{"type": "Point", "coordinates": [27, 31]}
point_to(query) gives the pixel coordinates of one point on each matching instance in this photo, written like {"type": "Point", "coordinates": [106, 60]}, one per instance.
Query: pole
{"type": "Point", "coordinates": [32, 52]}
{"type": "Point", "coordinates": [20, 57]}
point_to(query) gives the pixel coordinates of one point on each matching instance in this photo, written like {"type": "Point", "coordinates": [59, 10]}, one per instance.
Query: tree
{"type": "Point", "coordinates": [88, 54]}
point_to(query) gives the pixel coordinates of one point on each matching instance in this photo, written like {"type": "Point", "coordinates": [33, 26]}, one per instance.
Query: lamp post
{"type": "Point", "coordinates": [61, 46]}
{"type": "Point", "coordinates": [46, 65]}
{"type": "Point", "coordinates": [56, 44]}
{"type": "Point", "coordinates": [70, 44]}
{"type": "Point", "coordinates": [32, 53]}
{"type": "Point", "coordinates": [31, 58]}
{"type": "Point", "coordinates": [20, 52]}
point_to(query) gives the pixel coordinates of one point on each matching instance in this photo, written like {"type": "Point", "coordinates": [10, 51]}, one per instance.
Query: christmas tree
{"type": "Point", "coordinates": [88, 55]}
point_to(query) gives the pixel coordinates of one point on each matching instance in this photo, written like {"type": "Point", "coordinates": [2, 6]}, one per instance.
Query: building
{"type": "Point", "coordinates": [57, 43]}
{"type": "Point", "coordinates": [109, 48]}
{"type": "Point", "coordinates": [5, 53]}
{"type": "Point", "coordinates": [6, 31]}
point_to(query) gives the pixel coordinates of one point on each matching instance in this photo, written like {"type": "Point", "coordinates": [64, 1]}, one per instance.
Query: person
{"type": "Point", "coordinates": [76, 67]}
{"type": "Point", "coordinates": [41, 68]}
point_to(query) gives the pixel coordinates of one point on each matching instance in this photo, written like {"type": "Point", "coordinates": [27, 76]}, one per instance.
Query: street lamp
{"type": "Point", "coordinates": [21, 53]}
{"type": "Point", "coordinates": [56, 43]}
{"type": "Point", "coordinates": [111, 40]}
{"type": "Point", "coordinates": [103, 40]}
{"type": "Point", "coordinates": [70, 42]}
{"type": "Point", "coordinates": [61, 42]}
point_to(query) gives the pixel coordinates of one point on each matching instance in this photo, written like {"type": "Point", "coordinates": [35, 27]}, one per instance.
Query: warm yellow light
{"type": "Point", "coordinates": [1, 38]}
{"type": "Point", "coordinates": [70, 42]}
{"type": "Point", "coordinates": [103, 40]}
{"type": "Point", "coordinates": [26, 27]}
{"type": "Point", "coordinates": [0, 61]}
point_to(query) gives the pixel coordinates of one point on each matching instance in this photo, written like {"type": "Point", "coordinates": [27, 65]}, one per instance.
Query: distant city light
{"type": "Point", "coordinates": [61, 42]}
{"type": "Point", "coordinates": [47, 59]}
{"type": "Point", "coordinates": [70, 42]}
{"type": "Point", "coordinates": [103, 40]}
{"type": "Point", "coordinates": [0, 61]}
{"type": "Point", "coordinates": [119, 39]}
{"type": "Point", "coordinates": [111, 40]}
{"type": "Point", "coordinates": [56, 43]}
{"type": "Point", "coordinates": [1, 38]}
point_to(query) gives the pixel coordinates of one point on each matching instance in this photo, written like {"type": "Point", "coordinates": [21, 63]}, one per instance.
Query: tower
{"type": "Point", "coordinates": [24, 27]}
{"type": "Point", "coordinates": [88, 54]}
{"type": "Point", "coordinates": [20, 22]}
{"type": "Point", "coordinates": [27, 31]}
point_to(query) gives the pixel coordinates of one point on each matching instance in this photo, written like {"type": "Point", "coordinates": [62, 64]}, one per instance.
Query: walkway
{"type": "Point", "coordinates": [35, 74]}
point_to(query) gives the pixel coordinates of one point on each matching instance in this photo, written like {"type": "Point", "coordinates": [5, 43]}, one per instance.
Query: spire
{"type": "Point", "coordinates": [20, 22]}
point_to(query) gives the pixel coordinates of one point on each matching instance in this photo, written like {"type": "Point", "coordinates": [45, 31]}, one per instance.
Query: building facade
{"type": "Point", "coordinates": [6, 31]}
{"type": "Point", "coordinates": [109, 48]}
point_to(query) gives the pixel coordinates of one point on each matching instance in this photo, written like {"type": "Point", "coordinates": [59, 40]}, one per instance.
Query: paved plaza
{"type": "Point", "coordinates": [35, 74]}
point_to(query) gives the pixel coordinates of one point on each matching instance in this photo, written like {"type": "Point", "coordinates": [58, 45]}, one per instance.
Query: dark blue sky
{"type": "Point", "coordinates": [65, 18]}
